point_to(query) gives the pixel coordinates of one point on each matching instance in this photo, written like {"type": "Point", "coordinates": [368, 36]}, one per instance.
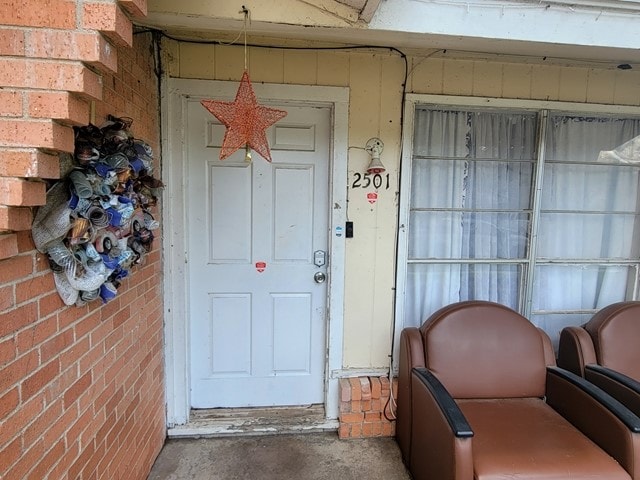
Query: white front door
{"type": "Point", "coordinates": [257, 316]}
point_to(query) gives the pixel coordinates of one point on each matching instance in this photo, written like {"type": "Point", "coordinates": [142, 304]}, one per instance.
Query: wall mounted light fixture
{"type": "Point", "coordinates": [374, 148]}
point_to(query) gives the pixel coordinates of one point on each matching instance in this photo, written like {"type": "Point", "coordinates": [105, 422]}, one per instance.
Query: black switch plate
{"type": "Point", "coordinates": [348, 230]}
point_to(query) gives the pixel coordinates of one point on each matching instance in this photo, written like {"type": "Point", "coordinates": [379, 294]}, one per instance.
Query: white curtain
{"type": "Point", "coordinates": [470, 214]}
{"type": "Point", "coordinates": [588, 214]}
{"type": "Point", "coordinates": [438, 183]}
{"type": "Point", "coordinates": [471, 181]}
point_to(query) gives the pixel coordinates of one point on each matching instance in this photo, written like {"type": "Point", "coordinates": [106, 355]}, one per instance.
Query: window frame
{"type": "Point", "coordinates": [543, 109]}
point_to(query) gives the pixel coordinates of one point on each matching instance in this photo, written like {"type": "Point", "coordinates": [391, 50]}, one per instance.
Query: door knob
{"type": "Point", "coordinates": [319, 277]}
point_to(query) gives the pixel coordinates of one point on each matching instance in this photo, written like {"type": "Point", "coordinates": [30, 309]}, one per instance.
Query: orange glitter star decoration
{"type": "Point", "coordinates": [246, 121]}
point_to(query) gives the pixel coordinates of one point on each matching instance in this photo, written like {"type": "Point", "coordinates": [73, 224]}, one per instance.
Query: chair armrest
{"type": "Point", "coordinates": [411, 350]}
{"type": "Point", "coordinates": [450, 409]}
{"type": "Point", "coordinates": [621, 387]}
{"type": "Point", "coordinates": [441, 438]}
{"type": "Point", "coordinates": [575, 350]}
{"type": "Point", "coordinates": [411, 355]}
{"type": "Point", "coordinates": [597, 415]}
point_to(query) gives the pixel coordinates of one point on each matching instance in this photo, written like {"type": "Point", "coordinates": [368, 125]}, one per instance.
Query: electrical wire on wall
{"type": "Point", "coordinates": [158, 35]}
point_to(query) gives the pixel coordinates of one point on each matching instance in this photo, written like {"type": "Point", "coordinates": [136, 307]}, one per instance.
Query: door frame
{"type": "Point", "coordinates": [175, 93]}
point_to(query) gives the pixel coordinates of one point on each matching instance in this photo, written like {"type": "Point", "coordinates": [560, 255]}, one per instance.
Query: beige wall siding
{"type": "Point", "coordinates": [362, 250]}
{"type": "Point", "coordinates": [333, 68]}
{"type": "Point", "coordinates": [300, 67]}
{"type": "Point", "coordinates": [601, 86]}
{"type": "Point", "coordinates": [573, 84]}
{"type": "Point", "coordinates": [627, 88]}
{"type": "Point", "coordinates": [375, 80]}
{"type": "Point", "coordinates": [376, 91]}
{"type": "Point", "coordinates": [196, 61]}
{"type": "Point", "coordinates": [457, 77]}
{"type": "Point", "coordinates": [545, 82]}
{"type": "Point", "coordinates": [266, 64]}
{"type": "Point", "coordinates": [524, 81]}
{"type": "Point", "coordinates": [487, 79]}
{"type": "Point", "coordinates": [516, 81]}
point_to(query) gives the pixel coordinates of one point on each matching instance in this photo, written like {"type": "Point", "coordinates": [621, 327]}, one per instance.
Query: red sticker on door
{"type": "Point", "coordinates": [372, 197]}
{"type": "Point", "coordinates": [260, 266]}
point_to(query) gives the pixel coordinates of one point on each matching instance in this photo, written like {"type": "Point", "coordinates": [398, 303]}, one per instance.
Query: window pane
{"type": "Point", "coordinates": [502, 135]}
{"type": "Point", "coordinates": [440, 133]}
{"type": "Point", "coordinates": [432, 286]}
{"type": "Point", "coordinates": [553, 323]}
{"type": "Point", "coordinates": [587, 236]}
{"type": "Point", "coordinates": [435, 235]}
{"type": "Point", "coordinates": [601, 188]}
{"type": "Point", "coordinates": [474, 134]}
{"type": "Point", "coordinates": [463, 235]}
{"type": "Point", "coordinates": [438, 183]}
{"type": "Point", "coordinates": [471, 184]}
{"type": "Point", "coordinates": [575, 138]}
{"type": "Point", "coordinates": [580, 287]}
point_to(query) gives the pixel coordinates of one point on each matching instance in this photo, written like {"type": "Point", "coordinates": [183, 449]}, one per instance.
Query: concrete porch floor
{"type": "Point", "coordinates": [308, 456]}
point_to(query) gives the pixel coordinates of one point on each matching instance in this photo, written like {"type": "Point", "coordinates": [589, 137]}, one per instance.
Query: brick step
{"type": "Point", "coordinates": [44, 134]}
{"type": "Point", "coordinates": [63, 107]}
{"type": "Point", "coordinates": [365, 407]}
{"type": "Point", "coordinates": [22, 193]}
{"type": "Point", "coordinates": [15, 218]}
{"type": "Point", "coordinates": [49, 14]}
{"type": "Point", "coordinates": [110, 20]}
{"type": "Point", "coordinates": [90, 48]}
{"type": "Point", "coordinates": [8, 245]}
{"type": "Point", "coordinates": [28, 163]}
{"type": "Point", "coordinates": [51, 75]}
{"type": "Point", "coordinates": [135, 8]}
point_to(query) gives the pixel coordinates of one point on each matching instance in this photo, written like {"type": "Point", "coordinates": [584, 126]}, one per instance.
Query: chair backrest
{"type": "Point", "coordinates": [615, 332]}
{"type": "Point", "coordinates": [482, 349]}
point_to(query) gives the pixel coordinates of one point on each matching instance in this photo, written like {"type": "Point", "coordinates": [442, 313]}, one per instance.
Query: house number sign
{"type": "Point", "coordinates": [366, 180]}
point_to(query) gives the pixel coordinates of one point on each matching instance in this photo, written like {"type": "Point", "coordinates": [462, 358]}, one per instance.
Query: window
{"type": "Point", "coordinates": [521, 208]}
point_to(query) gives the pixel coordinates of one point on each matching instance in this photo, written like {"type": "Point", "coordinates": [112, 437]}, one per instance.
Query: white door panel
{"type": "Point", "coordinates": [257, 316]}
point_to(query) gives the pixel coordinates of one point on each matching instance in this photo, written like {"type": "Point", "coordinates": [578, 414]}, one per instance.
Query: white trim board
{"type": "Point", "coordinates": [413, 99]}
{"type": "Point", "coordinates": [177, 349]}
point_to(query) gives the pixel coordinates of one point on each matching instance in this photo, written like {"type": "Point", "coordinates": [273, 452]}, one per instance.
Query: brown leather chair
{"type": "Point", "coordinates": [606, 351]}
{"type": "Point", "coordinates": [480, 398]}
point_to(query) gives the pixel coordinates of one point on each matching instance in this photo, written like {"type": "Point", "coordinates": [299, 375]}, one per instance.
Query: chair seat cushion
{"type": "Point", "coordinates": [526, 439]}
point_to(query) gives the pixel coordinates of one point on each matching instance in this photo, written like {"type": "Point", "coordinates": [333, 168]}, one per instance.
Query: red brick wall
{"type": "Point", "coordinates": [365, 407]}
{"type": "Point", "coordinates": [81, 389]}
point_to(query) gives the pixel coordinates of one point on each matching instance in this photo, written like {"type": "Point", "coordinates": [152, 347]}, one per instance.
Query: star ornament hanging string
{"type": "Point", "coordinates": [245, 119]}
